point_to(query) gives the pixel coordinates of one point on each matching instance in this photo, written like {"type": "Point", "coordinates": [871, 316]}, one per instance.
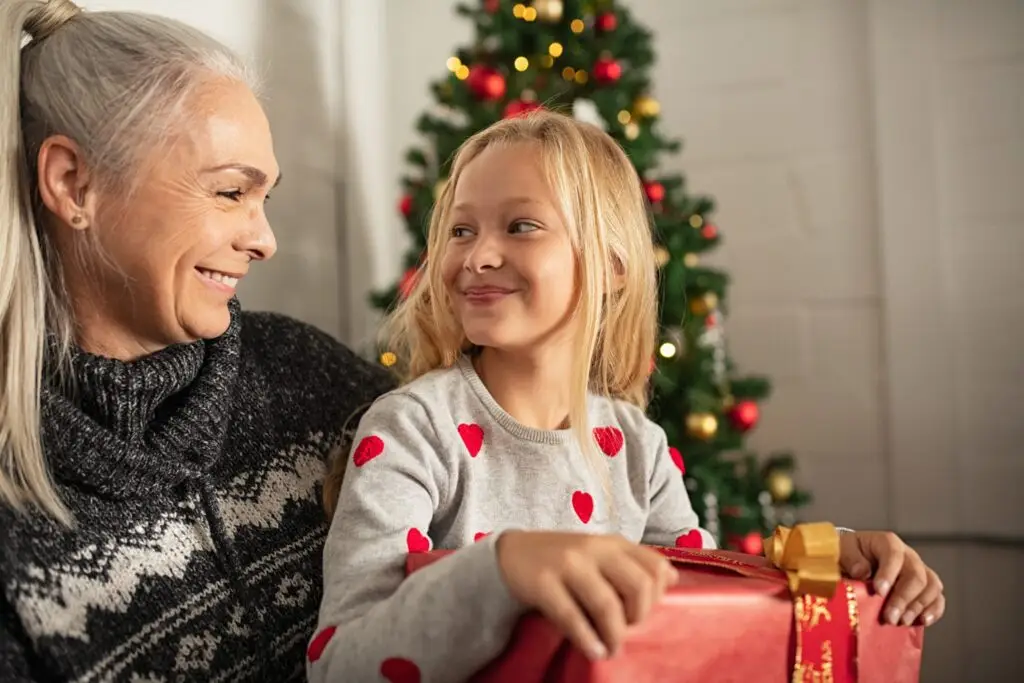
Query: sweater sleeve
{"type": "Point", "coordinates": [443, 622]}
{"type": "Point", "coordinates": [671, 519]}
{"type": "Point", "coordinates": [15, 665]}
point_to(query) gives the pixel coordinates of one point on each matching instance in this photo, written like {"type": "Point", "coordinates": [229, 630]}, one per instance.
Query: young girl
{"type": "Point", "coordinates": [528, 337]}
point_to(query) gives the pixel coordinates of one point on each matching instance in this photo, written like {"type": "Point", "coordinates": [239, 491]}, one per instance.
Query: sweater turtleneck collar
{"type": "Point", "coordinates": [130, 429]}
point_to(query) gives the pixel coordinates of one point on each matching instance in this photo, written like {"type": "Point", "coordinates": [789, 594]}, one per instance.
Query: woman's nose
{"type": "Point", "coordinates": [260, 243]}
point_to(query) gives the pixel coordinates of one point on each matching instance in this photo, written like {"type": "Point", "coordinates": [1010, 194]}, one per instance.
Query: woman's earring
{"type": "Point", "coordinates": [76, 219]}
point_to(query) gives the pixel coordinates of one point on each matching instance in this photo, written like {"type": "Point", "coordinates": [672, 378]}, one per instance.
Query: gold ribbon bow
{"type": "Point", "coordinates": [809, 554]}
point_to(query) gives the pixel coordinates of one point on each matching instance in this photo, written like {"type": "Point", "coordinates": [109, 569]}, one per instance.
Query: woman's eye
{"type": "Point", "coordinates": [522, 226]}
{"type": "Point", "coordinates": [233, 195]}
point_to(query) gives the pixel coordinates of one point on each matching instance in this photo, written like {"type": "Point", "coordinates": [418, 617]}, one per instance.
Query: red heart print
{"type": "Point", "coordinates": [609, 439]}
{"type": "Point", "coordinates": [319, 643]}
{"type": "Point", "coordinates": [480, 535]}
{"type": "Point", "coordinates": [399, 670]}
{"type": "Point", "coordinates": [677, 458]}
{"type": "Point", "coordinates": [368, 449]}
{"type": "Point", "coordinates": [473, 436]}
{"type": "Point", "coordinates": [583, 504]}
{"type": "Point", "coordinates": [691, 539]}
{"type": "Point", "coordinates": [417, 542]}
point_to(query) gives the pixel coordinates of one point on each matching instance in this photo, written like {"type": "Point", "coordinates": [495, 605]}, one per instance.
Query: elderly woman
{"type": "Point", "coordinates": [161, 452]}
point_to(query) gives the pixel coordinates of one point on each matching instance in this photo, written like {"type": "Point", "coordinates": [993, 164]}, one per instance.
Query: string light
{"type": "Point", "coordinates": [632, 130]}
{"type": "Point", "coordinates": [667, 350]}
{"type": "Point", "coordinates": [577, 26]}
{"type": "Point", "coordinates": [522, 63]}
{"type": "Point", "coordinates": [568, 73]}
{"type": "Point", "coordinates": [453, 64]}
{"type": "Point", "coordinates": [462, 73]}
{"type": "Point", "coordinates": [581, 77]}
{"type": "Point", "coordinates": [518, 10]}
{"type": "Point", "coordinates": [529, 14]}
{"type": "Point", "coordinates": [624, 117]}
{"type": "Point", "coordinates": [547, 61]}
{"type": "Point", "coordinates": [691, 260]}
{"type": "Point", "coordinates": [696, 221]}
{"type": "Point", "coordinates": [555, 49]}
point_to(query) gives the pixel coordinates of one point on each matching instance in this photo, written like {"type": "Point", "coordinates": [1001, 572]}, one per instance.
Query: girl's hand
{"type": "Point", "coordinates": [583, 581]}
{"type": "Point", "coordinates": [914, 590]}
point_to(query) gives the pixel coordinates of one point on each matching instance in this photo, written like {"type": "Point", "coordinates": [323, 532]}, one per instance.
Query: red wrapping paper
{"type": "Point", "coordinates": [731, 617]}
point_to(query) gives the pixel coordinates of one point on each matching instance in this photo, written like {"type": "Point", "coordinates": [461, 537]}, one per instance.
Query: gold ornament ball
{"type": "Point", "coordinates": [704, 304]}
{"type": "Point", "coordinates": [549, 11]}
{"type": "Point", "coordinates": [780, 485]}
{"type": "Point", "coordinates": [646, 107]}
{"type": "Point", "coordinates": [701, 425]}
{"type": "Point", "coordinates": [661, 256]}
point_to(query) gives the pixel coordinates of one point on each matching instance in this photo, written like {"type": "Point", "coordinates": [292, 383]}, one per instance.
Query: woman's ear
{"type": "Point", "coordinates": [64, 182]}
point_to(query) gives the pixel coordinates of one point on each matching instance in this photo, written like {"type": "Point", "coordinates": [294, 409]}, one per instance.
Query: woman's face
{"type": "Point", "coordinates": [171, 256]}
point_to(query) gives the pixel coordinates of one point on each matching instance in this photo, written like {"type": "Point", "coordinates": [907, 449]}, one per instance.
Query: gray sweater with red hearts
{"type": "Point", "coordinates": [438, 464]}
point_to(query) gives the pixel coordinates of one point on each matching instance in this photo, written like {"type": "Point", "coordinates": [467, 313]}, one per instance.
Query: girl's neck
{"type": "Point", "coordinates": [532, 388]}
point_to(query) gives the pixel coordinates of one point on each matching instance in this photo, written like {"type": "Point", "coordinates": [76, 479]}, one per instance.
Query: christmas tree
{"type": "Point", "coordinates": [591, 58]}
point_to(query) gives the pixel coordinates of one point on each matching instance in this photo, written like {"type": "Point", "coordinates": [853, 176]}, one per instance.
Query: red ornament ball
{"type": "Point", "coordinates": [752, 543]}
{"type": "Point", "coordinates": [520, 108]}
{"type": "Point", "coordinates": [710, 321]}
{"type": "Point", "coordinates": [491, 6]}
{"type": "Point", "coordinates": [405, 205]}
{"type": "Point", "coordinates": [654, 190]}
{"type": "Point", "coordinates": [606, 22]}
{"type": "Point", "coordinates": [607, 70]}
{"type": "Point", "coordinates": [744, 415]}
{"type": "Point", "coordinates": [709, 231]}
{"type": "Point", "coordinates": [408, 281]}
{"type": "Point", "coordinates": [486, 83]}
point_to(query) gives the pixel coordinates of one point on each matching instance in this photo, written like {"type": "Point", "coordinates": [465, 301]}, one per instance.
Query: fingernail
{"type": "Point", "coordinates": [598, 651]}
{"type": "Point", "coordinates": [893, 616]}
{"type": "Point", "coordinates": [908, 618]}
{"type": "Point", "coordinates": [882, 587]}
{"type": "Point", "coordinates": [928, 619]}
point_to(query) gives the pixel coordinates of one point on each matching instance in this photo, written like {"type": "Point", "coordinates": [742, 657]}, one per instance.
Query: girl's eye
{"type": "Point", "coordinates": [459, 231]}
{"type": "Point", "coordinates": [233, 195]}
{"type": "Point", "coordinates": [522, 226]}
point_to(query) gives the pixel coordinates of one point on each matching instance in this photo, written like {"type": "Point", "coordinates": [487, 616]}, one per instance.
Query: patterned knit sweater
{"type": "Point", "coordinates": [439, 464]}
{"type": "Point", "coordinates": [194, 479]}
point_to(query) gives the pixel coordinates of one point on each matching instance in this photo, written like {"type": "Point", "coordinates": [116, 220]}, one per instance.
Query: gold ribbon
{"type": "Point", "coordinates": [809, 554]}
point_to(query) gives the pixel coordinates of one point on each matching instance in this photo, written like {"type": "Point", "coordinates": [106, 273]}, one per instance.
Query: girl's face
{"type": "Point", "coordinates": [509, 265]}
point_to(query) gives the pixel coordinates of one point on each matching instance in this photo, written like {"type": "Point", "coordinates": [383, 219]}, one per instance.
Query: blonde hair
{"type": "Point", "coordinates": [603, 205]}
{"type": "Point", "coordinates": [116, 83]}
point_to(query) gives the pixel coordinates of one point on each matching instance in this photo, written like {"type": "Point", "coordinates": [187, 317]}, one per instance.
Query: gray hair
{"type": "Point", "coordinates": [117, 83]}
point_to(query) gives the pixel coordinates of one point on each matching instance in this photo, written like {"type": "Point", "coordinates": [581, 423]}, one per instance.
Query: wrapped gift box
{"type": "Point", "coordinates": [731, 617]}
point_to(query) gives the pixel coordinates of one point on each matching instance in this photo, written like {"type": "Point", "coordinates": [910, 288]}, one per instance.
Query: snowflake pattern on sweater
{"type": "Point", "coordinates": [439, 464]}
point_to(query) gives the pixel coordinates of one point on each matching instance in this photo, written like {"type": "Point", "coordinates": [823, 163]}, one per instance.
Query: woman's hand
{"type": "Point", "coordinates": [913, 590]}
{"type": "Point", "coordinates": [583, 581]}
